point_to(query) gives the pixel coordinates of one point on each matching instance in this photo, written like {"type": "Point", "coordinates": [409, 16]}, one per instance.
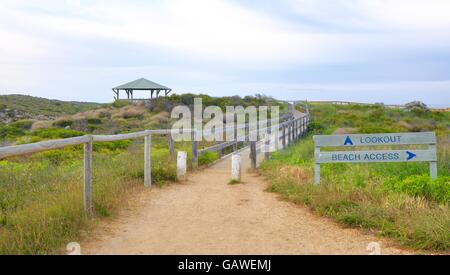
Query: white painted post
{"type": "Point", "coordinates": [181, 165]}
{"type": "Point", "coordinates": [88, 178]}
{"type": "Point", "coordinates": [316, 165]}
{"type": "Point", "coordinates": [236, 167]}
{"type": "Point", "coordinates": [147, 161]}
{"type": "Point", "coordinates": [433, 164]}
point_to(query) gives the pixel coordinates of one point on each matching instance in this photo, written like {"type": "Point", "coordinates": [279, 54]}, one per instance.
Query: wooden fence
{"type": "Point", "coordinates": [292, 129]}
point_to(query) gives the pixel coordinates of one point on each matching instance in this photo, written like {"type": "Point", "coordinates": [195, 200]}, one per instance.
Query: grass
{"type": "Point", "coordinates": [207, 158]}
{"type": "Point", "coordinates": [36, 106]}
{"type": "Point", "coordinates": [41, 197]}
{"type": "Point", "coordinates": [234, 182]}
{"type": "Point", "coordinates": [397, 200]}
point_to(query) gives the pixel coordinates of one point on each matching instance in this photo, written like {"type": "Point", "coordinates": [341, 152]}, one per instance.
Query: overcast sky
{"type": "Point", "coordinates": [391, 51]}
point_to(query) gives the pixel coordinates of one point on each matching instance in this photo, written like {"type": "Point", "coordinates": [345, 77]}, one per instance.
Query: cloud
{"type": "Point", "coordinates": [207, 29]}
{"type": "Point", "coordinates": [387, 15]}
{"type": "Point", "coordinates": [225, 33]}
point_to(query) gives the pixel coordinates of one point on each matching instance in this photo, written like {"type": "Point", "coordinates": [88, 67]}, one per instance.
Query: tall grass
{"type": "Point", "coordinates": [364, 195]}
{"type": "Point", "coordinates": [398, 200]}
{"type": "Point", "coordinates": [41, 201]}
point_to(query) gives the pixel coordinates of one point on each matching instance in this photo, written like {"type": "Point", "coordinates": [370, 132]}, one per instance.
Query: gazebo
{"type": "Point", "coordinates": [141, 84]}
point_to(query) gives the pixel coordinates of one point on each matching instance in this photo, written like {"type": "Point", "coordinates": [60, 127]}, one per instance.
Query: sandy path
{"type": "Point", "coordinates": [205, 215]}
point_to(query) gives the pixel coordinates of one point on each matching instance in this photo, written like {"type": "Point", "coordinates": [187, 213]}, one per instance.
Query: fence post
{"type": "Point", "coordinates": [247, 132]}
{"type": "Point", "coordinates": [194, 150]}
{"type": "Point", "coordinates": [267, 147]}
{"type": "Point", "coordinates": [293, 131]}
{"type": "Point", "coordinates": [171, 146]}
{"type": "Point", "coordinates": [289, 133]}
{"type": "Point", "coordinates": [267, 143]}
{"type": "Point", "coordinates": [303, 127]}
{"type": "Point", "coordinates": [284, 136]}
{"type": "Point", "coordinates": [316, 165]}
{"type": "Point", "coordinates": [88, 177]}
{"type": "Point", "coordinates": [297, 124]}
{"type": "Point", "coordinates": [300, 128]}
{"type": "Point", "coordinates": [219, 149]}
{"type": "Point", "coordinates": [433, 164]}
{"type": "Point", "coordinates": [253, 154]}
{"type": "Point", "coordinates": [235, 145]}
{"type": "Point", "coordinates": [181, 166]}
{"type": "Point", "coordinates": [236, 167]}
{"type": "Point", "coordinates": [147, 161]}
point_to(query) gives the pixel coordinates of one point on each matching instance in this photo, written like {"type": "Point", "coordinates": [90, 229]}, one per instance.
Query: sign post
{"type": "Point", "coordinates": [409, 155]}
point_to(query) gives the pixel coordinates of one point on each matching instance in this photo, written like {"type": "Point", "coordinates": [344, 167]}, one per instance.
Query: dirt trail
{"type": "Point", "coordinates": [206, 215]}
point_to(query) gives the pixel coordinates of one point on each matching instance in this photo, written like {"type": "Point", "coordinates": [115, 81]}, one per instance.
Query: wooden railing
{"type": "Point", "coordinates": [292, 129]}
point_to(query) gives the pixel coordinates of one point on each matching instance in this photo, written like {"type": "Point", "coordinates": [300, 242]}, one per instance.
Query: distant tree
{"type": "Point", "coordinates": [417, 107]}
{"type": "Point", "coordinates": [416, 104]}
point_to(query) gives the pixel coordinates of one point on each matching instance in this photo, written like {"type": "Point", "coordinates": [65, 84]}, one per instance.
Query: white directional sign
{"type": "Point", "coordinates": [388, 139]}
{"type": "Point", "coordinates": [376, 156]}
{"type": "Point", "coordinates": [376, 139]}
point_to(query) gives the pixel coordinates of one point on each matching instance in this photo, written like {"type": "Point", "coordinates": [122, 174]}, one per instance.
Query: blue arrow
{"type": "Point", "coordinates": [348, 141]}
{"type": "Point", "coordinates": [410, 155]}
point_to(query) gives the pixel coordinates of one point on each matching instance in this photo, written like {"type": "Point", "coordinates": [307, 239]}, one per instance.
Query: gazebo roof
{"type": "Point", "coordinates": [141, 84]}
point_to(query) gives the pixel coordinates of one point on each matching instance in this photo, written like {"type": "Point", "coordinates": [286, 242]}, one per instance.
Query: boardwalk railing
{"type": "Point", "coordinates": [292, 129]}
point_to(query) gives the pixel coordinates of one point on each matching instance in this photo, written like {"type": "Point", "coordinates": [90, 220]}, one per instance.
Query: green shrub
{"type": "Point", "coordinates": [104, 114]}
{"type": "Point", "coordinates": [120, 103]}
{"type": "Point", "coordinates": [62, 123]}
{"type": "Point", "coordinates": [55, 133]}
{"type": "Point", "coordinates": [316, 128]}
{"type": "Point", "coordinates": [373, 129]}
{"type": "Point", "coordinates": [94, 121]}
{"type": "Point", "coordinates": [163, 171]}
{"type": "Point", "coordinates": [422, 186]}
{"type": "Point", "coordinates": [27, 139]}
{"type": "Point", "coordinates": [57, 157]}
{"type": "Point", "coordinates": [10, 132]}
{"type": "Point", "coordinates": [207, 158]}
{"type": "Point", "coordinates": [24, 124]}
{"type": "Point", "coordinates": [112, 146]}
